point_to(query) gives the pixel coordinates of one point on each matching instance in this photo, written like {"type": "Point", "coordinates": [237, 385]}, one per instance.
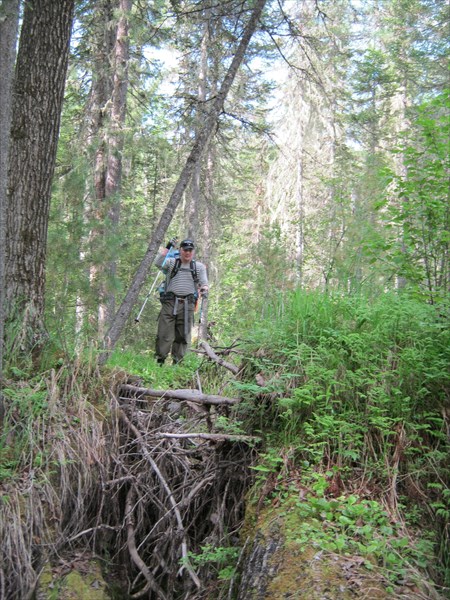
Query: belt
{"type": "Point", "coordinates": [172, 296]}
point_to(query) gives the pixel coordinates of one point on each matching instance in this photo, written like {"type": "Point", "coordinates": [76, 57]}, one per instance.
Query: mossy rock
{"type": "Point", "coordinates": [277, 566]}
{"type": "Point", "coordinates": [83, 582]}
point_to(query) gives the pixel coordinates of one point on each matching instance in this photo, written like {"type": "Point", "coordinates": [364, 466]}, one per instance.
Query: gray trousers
{"type": "Point", "coordinates": [175, 322]}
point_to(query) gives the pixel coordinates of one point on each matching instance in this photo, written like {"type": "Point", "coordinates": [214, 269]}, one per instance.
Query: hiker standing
{"type": "Point", "coordinates": [185, 280]}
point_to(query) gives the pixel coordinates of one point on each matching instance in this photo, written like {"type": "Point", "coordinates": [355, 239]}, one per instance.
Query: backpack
{"type": "Point", "coordinates": [176, 268]}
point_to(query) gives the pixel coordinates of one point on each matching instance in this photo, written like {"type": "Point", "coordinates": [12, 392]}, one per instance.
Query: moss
{"type": "Point", "coordinates": [82, 583]}
{"type": "Point", "coordinates": [84, 587]}
{"type": "Point", "coordinates": [312, 575]}
{"type": "Point", "coordinates": [302, 571]}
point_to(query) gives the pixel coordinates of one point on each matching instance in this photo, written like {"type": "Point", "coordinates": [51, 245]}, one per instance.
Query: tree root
{"type": "Point", "coordinates": [181, 490]}
{"type": "Point", "coordinates": [131, 541]}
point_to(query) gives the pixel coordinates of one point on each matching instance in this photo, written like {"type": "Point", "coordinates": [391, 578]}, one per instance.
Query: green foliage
{"type": "Point", "coordinates": [417, 218]}
{"type": "Point", "coordinates": [150, 373]}
{"type": "Point", "coordinates": [358, 386]}
{"type": "Point", "coordinates": [250, 279]}
{"type": "Point", "coordinates": [222, 559]}
{"type": "Point", "coordinates": [351, 526]}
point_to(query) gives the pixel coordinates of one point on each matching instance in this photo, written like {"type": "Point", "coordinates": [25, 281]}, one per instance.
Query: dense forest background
{"type": "Point", "coordinates": [303, 144]}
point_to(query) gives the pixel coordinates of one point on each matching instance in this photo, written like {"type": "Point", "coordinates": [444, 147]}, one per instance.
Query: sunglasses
{"type": "Point", "coordinates": [187, 249]}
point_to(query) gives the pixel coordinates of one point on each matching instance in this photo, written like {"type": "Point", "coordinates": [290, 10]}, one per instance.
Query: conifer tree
{"type": "Point", "coordinates": [184, 179]}
{"type": "Point", "coordinates": [9, 19]}
{"type": "Point", "coordinates": [38, 96]}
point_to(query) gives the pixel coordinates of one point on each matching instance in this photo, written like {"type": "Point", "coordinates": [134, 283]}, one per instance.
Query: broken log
{"type": "Point", "coordinates": [186, 394]}
{"type": "Point", "coordinates": [215, 437]}
{"type": "Point", "coordinates": [213, 356]}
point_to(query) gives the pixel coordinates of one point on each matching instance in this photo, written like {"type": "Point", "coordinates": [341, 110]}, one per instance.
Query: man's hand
{"type": "Point", "coordinates": [204, 291]}
{"type": "Point", "coordinates": [171, 243]}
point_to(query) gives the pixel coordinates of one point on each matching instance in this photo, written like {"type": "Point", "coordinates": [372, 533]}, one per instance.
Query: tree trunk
{"type": "Point", "coordinates": [101, 47]}
{"type": "Point", "coordinates": [115, 143]}
{"type": "Point", "coordinates": [183, 181]}
{"type": "Point", "coordinates": [38, 96]}
{"type": "Point", "coordinates": [105, 139]}
{"type": "Point", "coordinates": [9, 20]}
{"type": "Point", "coordinates": [193, 208]}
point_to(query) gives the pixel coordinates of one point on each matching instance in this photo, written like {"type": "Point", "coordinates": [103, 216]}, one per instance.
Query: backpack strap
{"type": "Point", "coordinates": [192, 266]}
{"type": "Point", "coordinates": [176, 268]}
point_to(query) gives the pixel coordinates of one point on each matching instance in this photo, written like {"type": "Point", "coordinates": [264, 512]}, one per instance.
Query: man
{"type": "Point", "coordinates": [185, 279]}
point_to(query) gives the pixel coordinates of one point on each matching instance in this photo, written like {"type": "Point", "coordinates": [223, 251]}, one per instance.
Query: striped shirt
{"type": "Point", "coordinates": [183, 283]}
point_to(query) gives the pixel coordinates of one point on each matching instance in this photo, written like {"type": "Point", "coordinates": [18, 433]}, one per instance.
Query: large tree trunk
{"type": "Point", "coordinates": [183, 181]}
{"type": "Point", "coordinates": [38, 96]}
{"type": "Point", "coordinates": [193, 208]}
{"type": "Point", "coordinates": [9, 19]}
{"type": "Point", "coordinates": [114, 141]}
{"type": "Point", "coordinates": [101, 48]}
{"type": "Point", "coordinates": [104, 137]}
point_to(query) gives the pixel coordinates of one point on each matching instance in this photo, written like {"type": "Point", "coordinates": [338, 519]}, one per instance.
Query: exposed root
{"type": "Point", "coordinates": [131, 542]}
{"type": "Point", "coordinates": [183, 491]}
{"type": "Point", "coordinates": [148, 488]}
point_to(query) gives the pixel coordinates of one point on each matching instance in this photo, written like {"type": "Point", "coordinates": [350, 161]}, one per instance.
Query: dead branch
{"type": "Point", "coordinates": [190, 395]}
{"type": "Point", "coordinates": [214, 437]}
{"type": "Point", "coordinates": [213, 356]}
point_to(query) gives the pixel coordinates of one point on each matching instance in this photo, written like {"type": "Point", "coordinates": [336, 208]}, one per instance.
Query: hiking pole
{"type": "Point", "coordinates": [136, 320]}
{"type": "Point", "coordinates": [200, 316]}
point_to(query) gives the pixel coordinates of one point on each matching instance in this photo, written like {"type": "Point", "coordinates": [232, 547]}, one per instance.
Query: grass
{"type": "Point", "coordinates": [145, 367]}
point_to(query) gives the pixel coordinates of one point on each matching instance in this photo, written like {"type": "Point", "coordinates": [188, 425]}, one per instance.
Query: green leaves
{"type": "Point", "coordinates": [417, 248]}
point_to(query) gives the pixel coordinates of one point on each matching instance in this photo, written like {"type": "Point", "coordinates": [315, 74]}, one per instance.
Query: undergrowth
{"type": "Point", "coordinates": [355, 393]}
{"type": "Point", "coordinates": [350, 396]}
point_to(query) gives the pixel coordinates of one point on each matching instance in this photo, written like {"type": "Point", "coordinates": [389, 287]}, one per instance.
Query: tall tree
{"type": "Point", "coordinates": [106, 113]}
{"type": "Point", "coordinates": [195, 155]}
{"type": "Point", "coordinates": [9, 19]}
{"type": "Point", "coordinates": [38, 96]}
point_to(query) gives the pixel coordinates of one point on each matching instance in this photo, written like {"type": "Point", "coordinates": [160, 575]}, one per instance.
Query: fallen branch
{"type": "Point", "coordinates": [213, 356]}
{"type": "Point", "coordinates": [190, 395]}
{"type": "Point", "coordinates": [215, 437]}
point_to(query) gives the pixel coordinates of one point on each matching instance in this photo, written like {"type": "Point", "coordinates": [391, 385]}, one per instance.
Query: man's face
{"type": "Point", "coordinates": [187, 253]}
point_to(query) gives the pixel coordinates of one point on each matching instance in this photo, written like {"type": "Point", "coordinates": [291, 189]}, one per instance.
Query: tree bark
{"type": "Point", "coordinates": [189, 395]}
{"type": "Point", "coordinates": [38, 97]}
{"type": "Point", "coordinates": [100, 49]}
{"type": "Point", "coordinates": [115, 142]}
{"type": "Point", "coordinates": [9, 20]}
{"type": "Point", "coordinates": [199, 146]}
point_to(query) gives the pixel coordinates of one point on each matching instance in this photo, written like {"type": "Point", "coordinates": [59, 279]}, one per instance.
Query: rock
{"type": "Point", "coordinates": [75, 580]}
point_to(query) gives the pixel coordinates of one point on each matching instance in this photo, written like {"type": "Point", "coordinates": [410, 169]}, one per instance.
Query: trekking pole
{"type": "Point", "coordinates": [136, 320]}
{"type": "Point", "coordinates": [200, 316]}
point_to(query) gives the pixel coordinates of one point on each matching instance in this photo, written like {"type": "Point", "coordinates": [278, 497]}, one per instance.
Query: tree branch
{"type": "Point", "coordinates": [189, 395]}
{"type": "Point", "coordinates": [213, 356]}
{"type": "Point", "coordinates": [173, 503]}
{"type": "Point", "coordinates": [214, 437]}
